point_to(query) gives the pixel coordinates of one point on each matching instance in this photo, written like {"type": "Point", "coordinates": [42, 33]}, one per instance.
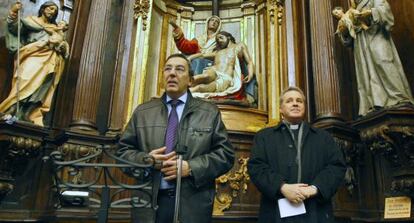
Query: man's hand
{"type": "Point", "coordinates": [293, 192]}
{"type": "Point", "coordinates": [170, 169]}
{"type": "Point", "coordinates": [309, 191]}
{"type": "Point", "coordinates": [159, 155]}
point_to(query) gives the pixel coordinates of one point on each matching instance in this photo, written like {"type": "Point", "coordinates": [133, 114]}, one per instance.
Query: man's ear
{"type": "Point", "coordinates": [191, 81]}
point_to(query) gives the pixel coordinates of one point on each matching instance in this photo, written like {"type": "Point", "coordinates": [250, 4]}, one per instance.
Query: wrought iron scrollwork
{"type": "Point", "coordinates": [107, 180]}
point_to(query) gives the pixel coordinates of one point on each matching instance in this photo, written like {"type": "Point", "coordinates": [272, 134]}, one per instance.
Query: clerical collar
{"type": "Point", "coordinates": [292, 126]}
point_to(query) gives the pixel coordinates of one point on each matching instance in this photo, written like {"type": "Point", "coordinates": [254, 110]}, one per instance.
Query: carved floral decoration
{"type": "Point", "coordinates": [15, 153]}
{"type": "Point", "coordinates": [141, 9]}
{"type": "Point", "coordinates": [396, 144]}
{"type": "Point", "coordinates": [5, 188]}
{"type": "Point", "coordinates": [72, 152]}
{"type": "Point", "coordinates": [276, 9]}
{"type": "Point", "coordinates": [237, 182]}
{"type": "Point", "coordinates": [353, 155]}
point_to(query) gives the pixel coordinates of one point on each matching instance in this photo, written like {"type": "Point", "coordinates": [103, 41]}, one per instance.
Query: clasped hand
{"type": "Point", "coordinates": [297, 193]}
{"type": "Point", "coordinates": [169, 163]}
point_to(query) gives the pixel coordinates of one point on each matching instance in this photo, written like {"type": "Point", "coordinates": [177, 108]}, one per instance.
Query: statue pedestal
{"type": "Point", "coordinates": [388, 135]}
{"type": "Point", "coordinates": [243, 119]}
{"type": "Point", "coordinates": [24, 182]}
{"type": "Point", "coordinates": [235, 199]}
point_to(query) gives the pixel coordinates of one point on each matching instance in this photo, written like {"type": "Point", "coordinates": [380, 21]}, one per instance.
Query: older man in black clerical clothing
{"type": "Point", "coordinates": [178, 118]}
{"type": "Point", "coordinates": [296, 165]}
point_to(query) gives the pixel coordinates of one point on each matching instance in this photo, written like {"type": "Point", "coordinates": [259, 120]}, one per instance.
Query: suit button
{"type": "Point", "coordinates": [290, 146]}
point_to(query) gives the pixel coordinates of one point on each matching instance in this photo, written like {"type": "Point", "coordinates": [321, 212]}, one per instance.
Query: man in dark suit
{"type": "Point", "coordinates": [177, 119]}
{"type": "Point", "coordinates": [296, 163]}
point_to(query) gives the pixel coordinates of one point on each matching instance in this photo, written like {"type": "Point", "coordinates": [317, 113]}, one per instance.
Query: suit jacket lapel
{"type": "Point", "coordinates": [306, 128]}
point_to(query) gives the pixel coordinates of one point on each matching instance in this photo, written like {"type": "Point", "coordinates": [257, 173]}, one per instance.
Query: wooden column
{"type": "Point", "coordinates": [325, 73]}
{"type": "Point", "coordinates": [88, 87]}
{"type": "Point", "coordinates": [119, 102]}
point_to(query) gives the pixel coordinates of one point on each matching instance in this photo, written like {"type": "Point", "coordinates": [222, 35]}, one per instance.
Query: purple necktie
{"type": "Point", "coordinates": [172, 126]}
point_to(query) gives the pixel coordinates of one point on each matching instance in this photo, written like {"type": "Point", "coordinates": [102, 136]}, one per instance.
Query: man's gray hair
{"type": "Point", "coordinates": [291, 88]}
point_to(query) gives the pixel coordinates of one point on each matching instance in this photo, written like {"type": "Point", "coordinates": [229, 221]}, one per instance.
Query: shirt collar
{"type": "Point", "coordinates": [183, 98]}
{"type": "Point", "coordinates": [292, 126]}
{"type": "Point", "coordinates": [283, 124]}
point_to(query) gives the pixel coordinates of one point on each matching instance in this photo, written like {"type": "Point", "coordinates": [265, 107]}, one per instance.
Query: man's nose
{"type": "Point", "coordinates": [172, 72]}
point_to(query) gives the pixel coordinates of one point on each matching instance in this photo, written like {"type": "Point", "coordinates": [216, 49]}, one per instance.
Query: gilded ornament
{"type": "Point", "coordinates": [236, 181]}
{"type": "Point", "coordinates": [276, 8]}
{"type": "Point", "coordinates": [141, 9]}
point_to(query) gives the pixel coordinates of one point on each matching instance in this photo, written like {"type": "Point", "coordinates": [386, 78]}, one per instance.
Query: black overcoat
{"type": "Point", "coordinates": [273, 162]}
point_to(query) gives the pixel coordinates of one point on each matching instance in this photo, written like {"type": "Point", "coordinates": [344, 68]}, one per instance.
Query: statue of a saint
{"type": "Point", "coordinates": [225, 76]}
{"type": "Point", "coordinates": [380, 75]}
{"type": "Point", "coordinates": [205, 43]}
{"type": "Point", "coordinates": [41, 61]}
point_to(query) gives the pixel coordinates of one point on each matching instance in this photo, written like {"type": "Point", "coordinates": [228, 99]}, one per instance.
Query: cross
{"type": "Point", "coordinates": [216, 7]}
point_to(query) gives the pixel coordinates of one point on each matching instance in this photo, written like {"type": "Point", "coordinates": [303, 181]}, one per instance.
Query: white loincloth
{"type": "Point", "coordinates": [235, 86]}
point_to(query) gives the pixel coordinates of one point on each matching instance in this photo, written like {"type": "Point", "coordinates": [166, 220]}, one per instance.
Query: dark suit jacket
{"type": "Point", "coordinates": [273, 162]}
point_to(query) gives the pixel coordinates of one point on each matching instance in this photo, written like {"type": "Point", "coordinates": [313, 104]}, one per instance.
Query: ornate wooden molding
{"type": "Point", "coordinates": [353, 154]}
{"type": "Point", "coordinates": [276, 9]}
{"type": "Point", "coordinates": [72, 151]}
{"type": "Point", "coordinates": [389, 133]}
{"type": "Point", "coordinates": [5, 188]}
{"type": "Point", "coordinates": [248, 8]}
{"type": "Point", "coordinates": [404, 186]}
{"type": "Point", "coordinates": [16, 152]}
{"type": "Point", "coordinates": [395, 143]}
{"type": "Point", "coordinates": [237, 182]}
{"type": "Point", "coordinates": [22, 147]}
{"type": "Point", "coordinates": [76, 150]}
{"type": "Point", "coordinates": [141, 9]}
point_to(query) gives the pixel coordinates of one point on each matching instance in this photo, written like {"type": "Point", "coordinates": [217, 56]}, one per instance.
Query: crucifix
{"type": "Point", "coordinates": [216, 7]}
